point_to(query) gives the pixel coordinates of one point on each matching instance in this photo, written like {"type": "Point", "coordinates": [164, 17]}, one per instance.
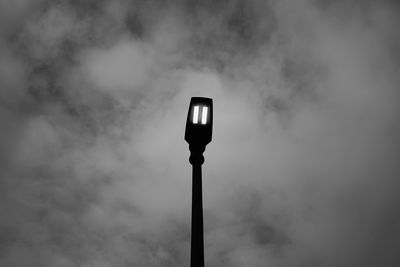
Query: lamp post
{"type": "Point", "coordinates": [198, 134]}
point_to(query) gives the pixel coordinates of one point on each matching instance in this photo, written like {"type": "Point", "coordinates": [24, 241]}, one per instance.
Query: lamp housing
{"type": "Point", "coordinates": [199, 122]}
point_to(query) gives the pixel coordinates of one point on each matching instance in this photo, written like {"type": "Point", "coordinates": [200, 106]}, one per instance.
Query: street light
{"type": "Point", "coordinates": [198, 134]}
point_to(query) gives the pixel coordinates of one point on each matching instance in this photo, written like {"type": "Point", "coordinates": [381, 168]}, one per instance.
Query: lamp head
{"type": "Point", "coordinates": [199, 122]}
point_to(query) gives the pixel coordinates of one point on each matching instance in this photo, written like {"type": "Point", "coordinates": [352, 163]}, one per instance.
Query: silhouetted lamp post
{"type": "Point", "coordinates": [198, 134]}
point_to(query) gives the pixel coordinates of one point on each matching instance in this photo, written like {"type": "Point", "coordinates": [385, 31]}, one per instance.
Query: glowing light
{"type": "Point", "coordinates": [204, 115]}
{"type": "Point", "coordinates": [196, 114]}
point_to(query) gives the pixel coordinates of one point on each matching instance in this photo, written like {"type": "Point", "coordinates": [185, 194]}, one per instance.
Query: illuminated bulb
{"type": "Point", "coordinates": [196, 114]}
{"type": "Point", "coordinates": [204, 115]}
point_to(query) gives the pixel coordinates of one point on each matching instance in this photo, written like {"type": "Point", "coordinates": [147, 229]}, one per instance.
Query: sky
{"type": "Point", "coordinates": [303, 169]}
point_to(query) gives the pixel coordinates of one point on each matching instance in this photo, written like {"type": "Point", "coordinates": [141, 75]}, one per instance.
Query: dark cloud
{"type": "Point", "coordinates": [303, 167]}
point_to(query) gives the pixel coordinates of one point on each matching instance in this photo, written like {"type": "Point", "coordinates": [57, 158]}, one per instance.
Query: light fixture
{"type": "Point", "coordinates": [199, 122]}
{"type": "Point", "coordinates": [198, 134]}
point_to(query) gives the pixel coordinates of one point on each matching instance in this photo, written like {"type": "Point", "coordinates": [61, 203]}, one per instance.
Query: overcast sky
{"type": "Point", "coordinates": [303, 169]}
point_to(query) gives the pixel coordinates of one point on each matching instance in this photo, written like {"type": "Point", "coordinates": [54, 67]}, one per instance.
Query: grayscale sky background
{"type": "Point", "coordinates": [304, 165]}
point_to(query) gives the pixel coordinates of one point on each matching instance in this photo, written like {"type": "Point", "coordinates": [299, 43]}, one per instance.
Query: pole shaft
{"type": "Point", "coordinates": [197, 240]}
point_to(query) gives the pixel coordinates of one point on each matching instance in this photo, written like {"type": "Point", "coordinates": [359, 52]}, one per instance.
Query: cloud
{"type": "Point", "coordinates": [125, 66]}
{"type": "Point", "coordinates": [302, 169]}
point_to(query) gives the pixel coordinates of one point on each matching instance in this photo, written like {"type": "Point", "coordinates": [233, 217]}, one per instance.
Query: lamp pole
{"type": "Point", "coordinates": [197, 242]}
{"type": "Point", "coordinates": [198, 134]}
